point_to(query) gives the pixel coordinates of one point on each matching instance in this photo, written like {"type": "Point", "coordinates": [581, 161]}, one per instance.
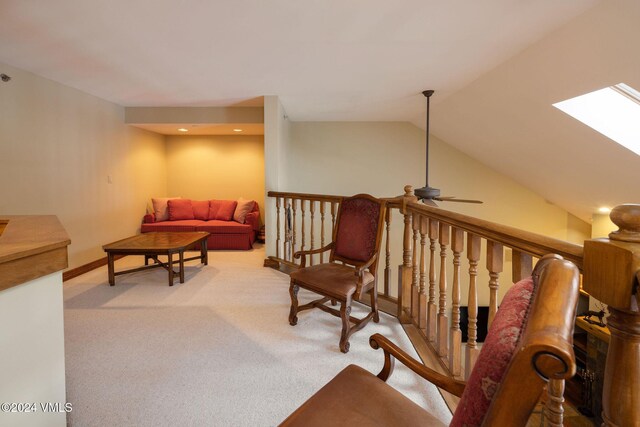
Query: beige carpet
{"type": "Point", "coordinates": [215, 351]}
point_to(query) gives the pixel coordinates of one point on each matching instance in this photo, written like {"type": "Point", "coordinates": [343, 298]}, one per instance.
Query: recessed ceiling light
{"type": "Point", "coordinates": [183, 130]}
{"type": "Point", "coordinates": [604, 210]}
{"type": "Point", "coordinates": [237, 130]}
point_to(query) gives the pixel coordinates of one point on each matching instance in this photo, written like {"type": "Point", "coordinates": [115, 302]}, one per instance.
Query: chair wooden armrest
{"type": "Point", "coordinates": [302, 254]}
{"type": "Point", "coordinates": [392, 352]}
{"type": "Point", "coordinates": [363, 267]}
{"type": "Point", "coordinates": [360, 274]}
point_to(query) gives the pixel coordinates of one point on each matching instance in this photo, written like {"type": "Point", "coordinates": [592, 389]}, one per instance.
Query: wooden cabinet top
{"type": "Point", "coordinates": [31, 246]}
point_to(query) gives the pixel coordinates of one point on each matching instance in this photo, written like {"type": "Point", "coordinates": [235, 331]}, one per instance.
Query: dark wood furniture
{"type": "Point", "coordinates": [152, 245]}
{"type": "Point", "coordinates": [542, 352]}
{"type": "Point", "coordinates": [351, 269]}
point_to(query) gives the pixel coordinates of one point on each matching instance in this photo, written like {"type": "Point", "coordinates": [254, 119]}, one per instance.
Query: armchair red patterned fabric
{"type": "Point", "coordinates": [497, 352]}
{"type": "Point", "coordinates": [357, 229]}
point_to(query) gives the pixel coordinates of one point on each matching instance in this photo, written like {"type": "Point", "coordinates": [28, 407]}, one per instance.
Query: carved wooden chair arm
{"type": "Point", "coordinates": [392, 352]}
{"type": "Point", "coordinates": [363, 267]}
{"type": "Point", "coordinates": [302, 254]}
{"type": "Point", "coordinates": [360, 274]}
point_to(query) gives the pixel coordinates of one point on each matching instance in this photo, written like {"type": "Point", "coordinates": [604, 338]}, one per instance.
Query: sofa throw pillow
{"type": "Point", "coordinates": [160, 208]}
{"type": "Point", "coordinates": [222, 209]}
{"type": "Point", "coordinates": [180, 209]}
{"type": "Point", "coordinates": [200, 209]}
{"type": "Point", "coordinates": [497, 352]}
{"type": "Point", "coordinates": [242, 209]}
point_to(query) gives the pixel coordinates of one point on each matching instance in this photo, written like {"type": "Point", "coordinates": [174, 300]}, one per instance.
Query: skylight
{"type": "Point", "coordinates": [613, 111]}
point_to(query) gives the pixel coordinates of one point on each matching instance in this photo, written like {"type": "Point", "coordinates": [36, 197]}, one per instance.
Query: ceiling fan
{"type": "Point", "coordinates": [429, 194]}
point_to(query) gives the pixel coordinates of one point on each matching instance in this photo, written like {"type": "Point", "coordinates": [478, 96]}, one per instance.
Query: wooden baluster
{"type": "Point", "coordinates": [293, 228]}
{"type": "Point", "coordinates": [312, 212]}
{"type": "Point", "coordinates": [473, 255]}
{"type": "Point", "coordinates": [334, 206]}
{"type": "Point", "coordinates": [278, 227]}
{"type": "Point", "coordinates": [521, 265]}
{"type": "Point", "coordinates": [443, 320]}
{"type": "Point", "coordinates": [405, 272]}
{"type": "Point", "coordinates": [554, 412]}
{"type": "Point", "coordinates": [303, 202]}
{"type": "Point", "coordinates": [494, 265]}
{"type": "Point", "coordinates": [387, 266]}
{"type": "Point", "coordinates": [288, 253]}
{"type": "Point", "coordinates": [455, 356]}
{"type": "Point", "coordinates": [322, 230]}
{"type": "Point", "coordinates": [432, 308]}
{"type": "Point", "coordinates": [416, 272]}
{"type": "Point", "coordinates": [424, 230]}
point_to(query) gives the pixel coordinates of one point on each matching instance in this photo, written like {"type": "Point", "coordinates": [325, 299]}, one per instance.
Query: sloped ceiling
{"type": "Point", "coordinates": [496, 66]}
{"type": "Point", "coordinates": [506, 119]}
{"type": "Point", "coordinates": [326, 60]}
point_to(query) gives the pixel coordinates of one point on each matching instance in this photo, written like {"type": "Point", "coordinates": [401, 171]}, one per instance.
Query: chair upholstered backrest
{"type": "Point", "coordinates": [358, 229]}
{"type": "Point", "coordinates": [529, 341]}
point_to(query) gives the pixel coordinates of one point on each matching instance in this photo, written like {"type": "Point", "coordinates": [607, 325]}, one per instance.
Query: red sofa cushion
{"type": "Point", "coordinates": [200, 209]}
{"type": "Point", "coordinates": [180, 209]}
{"type": "Point", "coordinates": [224, 227]}
{"type": "Point", "coordinates": [184, 225]}
{"type": "Point", "coordinates": [222, 209]}
{"type": "Point", "coordinates": [160, 207]}
{"type": "Point", "coordinates": [242, 209]}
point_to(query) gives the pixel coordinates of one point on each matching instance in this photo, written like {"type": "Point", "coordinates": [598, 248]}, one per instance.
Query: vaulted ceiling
{"type": "Point", "coordinates": [496, 66]}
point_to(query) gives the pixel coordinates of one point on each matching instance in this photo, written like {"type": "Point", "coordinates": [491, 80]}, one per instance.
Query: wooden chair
{"type": "Point", "coordinates": [529, 342]}
{"type": "Point", "coordinates": [351, 269]}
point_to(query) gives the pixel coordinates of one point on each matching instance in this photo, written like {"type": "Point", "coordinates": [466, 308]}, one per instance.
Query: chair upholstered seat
{"type": "Point", "coordinates": [331, 279]}
{"type": "Point", "coordinates": [341, 402]}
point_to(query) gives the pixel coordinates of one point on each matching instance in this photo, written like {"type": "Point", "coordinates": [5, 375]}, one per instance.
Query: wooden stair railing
{"type": "Point", "coordinates": [442, 256]}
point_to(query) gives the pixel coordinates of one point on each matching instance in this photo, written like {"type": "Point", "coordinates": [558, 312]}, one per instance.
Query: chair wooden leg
{"type": "Point", "coordinates": [334, 302]}
{"type": "Point", "coordinates": [293, 292]}
{"type": "Point", "coordinates": [345, 312]}
{"type": "Point", "coordinates": [374, 305]}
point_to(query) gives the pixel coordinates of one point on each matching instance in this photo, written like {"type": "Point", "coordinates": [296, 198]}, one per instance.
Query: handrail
{"type": "Point", "coordinates": [525, 241]}
{"type": "Point", "coordinates": [321, 197]}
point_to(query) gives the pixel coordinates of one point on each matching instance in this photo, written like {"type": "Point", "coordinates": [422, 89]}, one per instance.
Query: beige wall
{"type": "Point", "coordinates": [380, 158]}
{"type": "Point", "coordinates": [216, 167]}
{"type": "Point", "coordinates": [58, 148]}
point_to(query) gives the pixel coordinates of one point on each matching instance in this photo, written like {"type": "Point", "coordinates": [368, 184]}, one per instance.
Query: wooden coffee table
{"type": "Point", "coordinates": [151, 245]}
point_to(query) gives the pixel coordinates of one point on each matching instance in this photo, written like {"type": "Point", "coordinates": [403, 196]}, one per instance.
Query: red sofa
{"type": "Point", "coordinates": [225, 232]}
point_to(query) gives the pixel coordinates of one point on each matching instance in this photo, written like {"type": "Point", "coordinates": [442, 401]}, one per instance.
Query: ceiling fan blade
{"type": "Point", "coordinates": [429, 202]}
{"type": "Point", "coordinates": [455, 199]}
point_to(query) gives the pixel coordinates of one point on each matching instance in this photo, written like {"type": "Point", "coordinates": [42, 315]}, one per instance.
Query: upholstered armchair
{"type": "Point", "coordinates": [528, 343]}
{"type": "Point", "coordinates": [351, 270]}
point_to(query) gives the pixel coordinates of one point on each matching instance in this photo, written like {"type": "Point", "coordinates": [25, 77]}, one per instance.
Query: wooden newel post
{"type": "Point", "coordinates": [611, 270]}
{"type": "Point", "coordinates": [405, 271]}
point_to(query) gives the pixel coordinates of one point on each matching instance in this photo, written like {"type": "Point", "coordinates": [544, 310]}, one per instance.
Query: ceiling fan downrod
{"type": "Point", "coordinates": [427, 192]}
